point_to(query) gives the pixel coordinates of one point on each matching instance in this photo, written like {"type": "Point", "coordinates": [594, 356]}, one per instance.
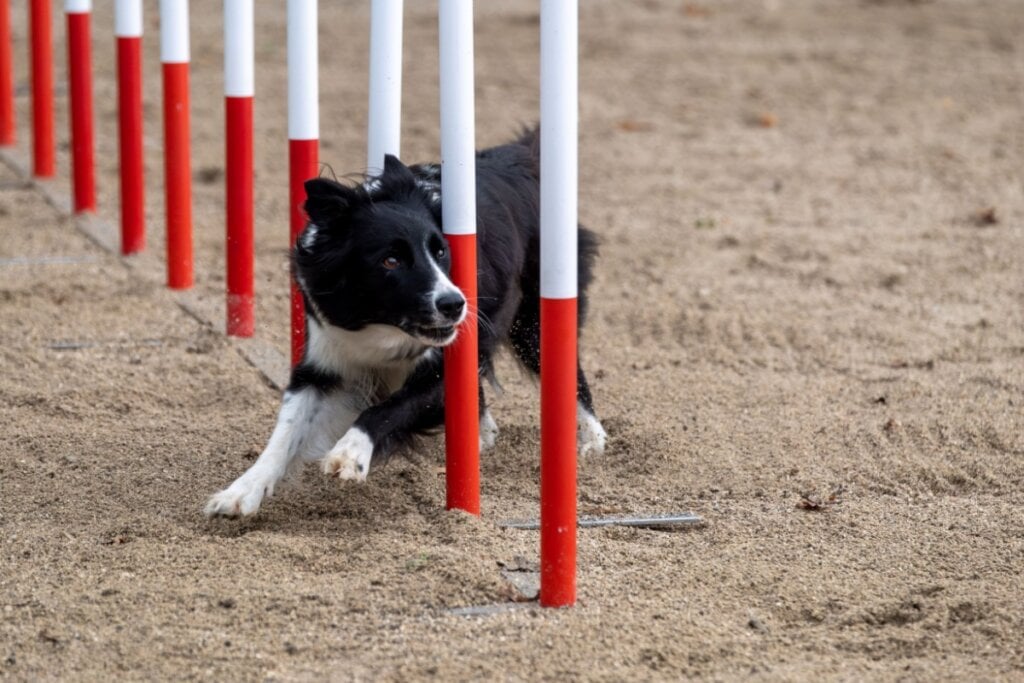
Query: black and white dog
{"type": "Point", "coordinates": [373, 270]}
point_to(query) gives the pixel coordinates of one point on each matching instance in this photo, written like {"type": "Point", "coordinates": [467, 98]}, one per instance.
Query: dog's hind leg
{"type": "Point", "coordinates": [488, 427]}
{"type": "Point", "coordinates": [590, 435]}
{"type": "Point", "coordinates": [524, 337]}
{"type": "Point", "coordinates": [308, 423]}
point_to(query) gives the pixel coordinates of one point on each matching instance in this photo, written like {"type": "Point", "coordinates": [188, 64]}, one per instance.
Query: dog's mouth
{"type": "Point", "coordinates": [440, 335]}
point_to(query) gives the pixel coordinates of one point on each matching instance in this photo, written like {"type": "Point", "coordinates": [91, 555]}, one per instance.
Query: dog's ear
{"type": "Point", "coordinates": [326, 200]}
{"type": "Point", "coordinates": [397, 177]}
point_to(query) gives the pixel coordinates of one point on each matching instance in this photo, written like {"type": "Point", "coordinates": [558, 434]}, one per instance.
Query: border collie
{"type": "Point", "coordinates": [373, 268]}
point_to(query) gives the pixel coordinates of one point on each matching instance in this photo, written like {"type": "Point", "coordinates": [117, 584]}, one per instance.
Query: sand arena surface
{"type": "Point", "coordinates": [800, 294]}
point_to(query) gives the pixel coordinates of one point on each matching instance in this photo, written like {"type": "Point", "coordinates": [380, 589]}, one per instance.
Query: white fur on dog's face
{"type": "Point", "coordinates": [443, 286]}
{"type": "Point", "coordinates": [340, 350]}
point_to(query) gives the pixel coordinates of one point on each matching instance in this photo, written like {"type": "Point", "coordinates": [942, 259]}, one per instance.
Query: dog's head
{"type": "Point", "coordinates": [374, 255]}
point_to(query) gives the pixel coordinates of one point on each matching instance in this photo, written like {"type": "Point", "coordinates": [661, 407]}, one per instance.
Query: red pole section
{"type": "Point", "coordinates": [558, 452]}
{"type": "Point", "coordinates": [43, 156]}
{"type": "Point", "coordinates": [174, 54]}
{"type": "Point", "coordinates": [6, 76]}
{"type": "Point", "coordinates": [128, 30]}
{"type": "Point", "coordinates": [303, 164]}
{"type": "Point", "coordinates": [458, 194]}
{"type": "Point", "coordinates": [83, 170]}
{"type": "Point", "coordinates": [461, 387]}
{"type": "Point", "coordinates": [558, 290]}
{"type": "Point", "coordinates": [303, 135]}
{"type": "Point", "coordinates": [238, 91]}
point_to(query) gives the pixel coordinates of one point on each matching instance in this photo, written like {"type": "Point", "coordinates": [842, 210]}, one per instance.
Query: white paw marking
{"type": "Point", "coordinates": [488, 431]}
{"type": "Point", "coordinates": [350, 457]}
{"type": "Point", "coordinates": [244, 496]}
{"type": "Point", "coordinates": [590, 435]}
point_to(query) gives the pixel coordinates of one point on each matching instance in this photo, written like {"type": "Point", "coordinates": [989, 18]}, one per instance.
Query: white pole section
{"type": "Point", "coordinates": [558, 149]}
{"type": "Point", "coordinates": [128, 18]}
{"type": "Point", "coordinates": [77, 6]}
{"type": "Point", "coordinates": [303, 81]}
{"type": "Point", "coordinates": [385, 110]}
{"type": "Point", "coordinates": [458, 131]}
{"type": "Point", "coordinates": [174, 31]}
{"type": "Point", "coordinates": [238, 48]}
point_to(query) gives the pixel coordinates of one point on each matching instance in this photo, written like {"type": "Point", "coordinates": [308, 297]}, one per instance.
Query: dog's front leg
{"type": "Point", "coordinates": [308, 422]}
{"type": "Point", "coordinates": [382, 429]}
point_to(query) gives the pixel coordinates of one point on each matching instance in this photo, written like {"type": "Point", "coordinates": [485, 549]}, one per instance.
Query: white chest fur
{"type": "Point", "coordinates": [372, 362]}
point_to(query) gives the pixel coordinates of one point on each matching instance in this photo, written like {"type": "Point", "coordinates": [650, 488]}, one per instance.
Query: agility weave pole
{"type": "Point", "coordinates": [458, 196]}
{"type": "Point", "coordinates": [128, 35]}
{"type": "Point", "coordinates": [303, 137]}
{"type": "Point", "coordinates": [44, 164]}
{"type": "Point", "coordinates": [174, 56]}
{"type": "Point", "coordinates": [558, 291]}
{"type": "Point", "coordinates": [239, 88]}
{"type": "Point", "coordinates": [83, 164]}
{"type": "Point", "coordinates": [262, 356]}
{"type": "Point", "coordinates": [559, 124]}
{"type": "Point", "coordinates": [458, 202]}
{"type": "Point", "coordinates": [558, 519]}
{"type": "Point", "coordinates": [7, 119]}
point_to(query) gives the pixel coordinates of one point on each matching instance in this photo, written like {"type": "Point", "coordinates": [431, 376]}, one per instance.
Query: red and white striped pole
{"type": "Point", "coordinates": [174, 53]}
{"type": "Point", "coordinates": [44, 164]}
{"type": "Point", "coordinates": [83, 170]}
{"type": "Point", "coordinates": [238, 95]}
{"type": "Point", "coordinates": [385, 109]}
{"type": "Point", "coordinates": [458, 194]}
{"type": "Point", "coordinates": [558, 289]}
{"type": "Point", "coordinates": [6, 76]}
{"type": "Point", "coordinates": [303, 134]}
{"type": "Point", "coordinates": [128, 32]}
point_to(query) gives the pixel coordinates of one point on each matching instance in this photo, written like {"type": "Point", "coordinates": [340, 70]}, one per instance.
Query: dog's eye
{"type": "Point", "coordinates": [391, 262]}
{"type": "Point", "coordinates": [440, 253]}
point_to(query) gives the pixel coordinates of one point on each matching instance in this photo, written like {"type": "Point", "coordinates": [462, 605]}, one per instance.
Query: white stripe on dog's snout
{"type": "Point", "coordinates": [443, 286]}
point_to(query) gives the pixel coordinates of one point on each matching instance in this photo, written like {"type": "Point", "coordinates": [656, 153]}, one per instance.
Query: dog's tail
{"type": "Point", "coordinates": [588, 242]}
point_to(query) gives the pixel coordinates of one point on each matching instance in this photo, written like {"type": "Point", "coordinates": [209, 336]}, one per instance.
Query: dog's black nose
{"type": "Point", "coordinates": [450, 305]}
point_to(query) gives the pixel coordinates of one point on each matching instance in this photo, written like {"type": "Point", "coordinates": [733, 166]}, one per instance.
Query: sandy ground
{"type": "Point", "coordinates": [800, 294]}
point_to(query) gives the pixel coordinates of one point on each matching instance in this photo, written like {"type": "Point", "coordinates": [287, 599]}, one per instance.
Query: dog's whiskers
{"type": "Point", "coordinates": [486, 323]}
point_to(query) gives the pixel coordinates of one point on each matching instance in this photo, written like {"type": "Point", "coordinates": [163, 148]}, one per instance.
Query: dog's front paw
{"type": "Point", "coordinates": [350, 457]}
{"type": "Point", "coordinates": [591, 437]}
{"type": "Point", "coordinates": [242, 498]}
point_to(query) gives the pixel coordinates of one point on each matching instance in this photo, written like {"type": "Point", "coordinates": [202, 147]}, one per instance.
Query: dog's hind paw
{"type": "Point", "coordinates": [350, 457]}
{"type": "Point", "coordinates": [590, 435]}
{"type": "Point", "coordinates": [241, 499]}
{"type": "Point", "coordinates": [488, 431]}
